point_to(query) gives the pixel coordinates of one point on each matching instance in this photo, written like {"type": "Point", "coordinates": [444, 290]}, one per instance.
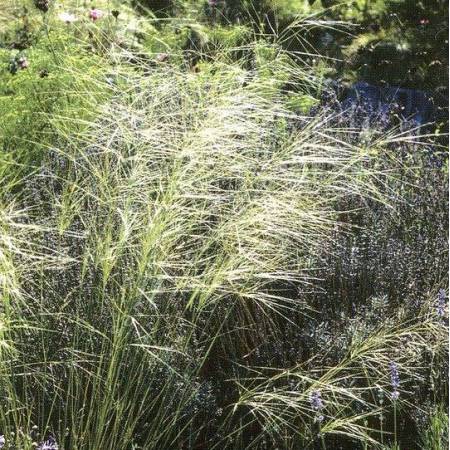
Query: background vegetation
{"type": "Point", "coordinates": [199, 248]}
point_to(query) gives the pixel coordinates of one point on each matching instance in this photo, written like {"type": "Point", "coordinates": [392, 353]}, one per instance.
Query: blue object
{"type": "Point", "coordinates": [378, 103]}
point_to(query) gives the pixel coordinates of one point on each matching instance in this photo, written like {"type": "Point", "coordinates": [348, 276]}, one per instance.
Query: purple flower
{"type": "Point", "coordinates": [395, 380]}
{"type": "Point", "coordinates": [212, 3]}
{"type": "Point", "coordinates": [316, 400]}
{"type": "Point", "coordinates": [441, 301]}
{"type": "Point", "coordinates": [49, 444]}
{"type": "Point", "coordinates": [95, 14]}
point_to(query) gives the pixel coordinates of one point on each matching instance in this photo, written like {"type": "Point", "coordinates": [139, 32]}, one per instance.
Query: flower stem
{"type": "Point", "coordinates": [395, 424]}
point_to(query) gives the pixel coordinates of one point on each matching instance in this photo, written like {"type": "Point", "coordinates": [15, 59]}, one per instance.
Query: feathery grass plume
{"type": "Point", "coordinates": [23, 255]}
{"type": "Point", "coordinates": [192, 209]}
{"type": "Point", "coordinates": [191, 192]}
{"type": "Point", "coordinates": [288, 399]}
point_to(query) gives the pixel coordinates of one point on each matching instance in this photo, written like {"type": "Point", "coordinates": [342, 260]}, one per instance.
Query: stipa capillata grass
{"type": "Point", "coordinates": [190, 213]}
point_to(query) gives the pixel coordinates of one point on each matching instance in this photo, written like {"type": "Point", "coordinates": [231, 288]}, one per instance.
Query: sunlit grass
{"type": "Point", "coordinates": [171, 225]}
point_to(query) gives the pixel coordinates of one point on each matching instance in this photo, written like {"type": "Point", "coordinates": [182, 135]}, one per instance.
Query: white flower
{"type": "Point", "coordinates": [2, 441]}
{"type": "Point", "coordinates": [67, 17]}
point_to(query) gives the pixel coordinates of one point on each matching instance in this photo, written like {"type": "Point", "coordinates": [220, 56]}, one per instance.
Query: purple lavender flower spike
{"type": "Point", "coordinates": [316, 401]}
{"type": "Point", "coordinates": [441, 301]}
{"type": "Point", "coordinates": [395, 380]}
{"type": "Point", "coordinates": [49, 444]}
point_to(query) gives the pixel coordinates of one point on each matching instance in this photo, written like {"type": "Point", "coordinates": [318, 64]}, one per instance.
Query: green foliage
{"type": "Point", "coordinates": [300, 102]}
{"type": "Point", "coordinates": [435, 435]}
{"type": "Point", "coordinates": [61, 81]}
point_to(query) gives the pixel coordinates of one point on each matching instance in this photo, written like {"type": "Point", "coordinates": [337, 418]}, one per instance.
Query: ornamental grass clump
{"type": "Point", "coordinates": [174, 236]}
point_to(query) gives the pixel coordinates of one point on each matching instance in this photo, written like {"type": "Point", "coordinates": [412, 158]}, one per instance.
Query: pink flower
{"type": "Point", "coordinates": [424, 22]}
{"type": "Point", "coordinates": [95, 14]}
{"type": "Point", "coordinates": [162, 57]}
{"type": "Point", "coordinates": [23, 63]}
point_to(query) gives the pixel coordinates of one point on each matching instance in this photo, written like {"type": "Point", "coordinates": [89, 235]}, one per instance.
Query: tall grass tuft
{"type": "Point", "coordinates": [167, 241]}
